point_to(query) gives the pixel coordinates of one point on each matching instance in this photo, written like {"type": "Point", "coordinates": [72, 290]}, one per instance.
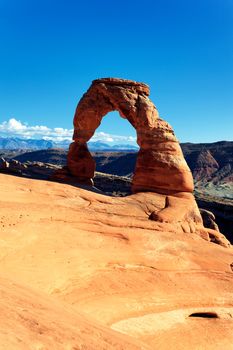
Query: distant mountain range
{"type": "Point", "coordinates": [100, 146]}
{"type": "Point", "coordinates": [12, 143]}
{"type": "Point", "coordinates": [15, 143]}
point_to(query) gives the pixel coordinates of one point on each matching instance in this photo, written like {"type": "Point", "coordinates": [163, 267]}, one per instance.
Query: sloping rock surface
{"type": "Point", "coordinates": [108, 259]}
{"type": "Point", "coordinates": [30, 320]}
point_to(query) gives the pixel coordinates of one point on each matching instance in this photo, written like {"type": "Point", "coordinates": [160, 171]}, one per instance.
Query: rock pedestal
{"type": "Point", "coordinates": [80, 163]}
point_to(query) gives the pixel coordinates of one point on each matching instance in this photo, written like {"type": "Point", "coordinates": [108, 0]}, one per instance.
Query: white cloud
{"type": "Point", "coordinates": [15, 128]}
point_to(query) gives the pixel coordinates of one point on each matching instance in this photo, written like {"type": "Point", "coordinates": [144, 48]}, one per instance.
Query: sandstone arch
{"type": "Point", "coordinates": [160, 165]}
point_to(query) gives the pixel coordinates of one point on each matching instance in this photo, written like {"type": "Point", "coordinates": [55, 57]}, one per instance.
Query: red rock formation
{"type": "Point", "coordinates": [205, 167]}
{"type": "Point", "coordinates": [160, 167]}
{"type": "Point", "coordinates": [160, 164]}
{"type": "Point", "coordinates": [80, 163]}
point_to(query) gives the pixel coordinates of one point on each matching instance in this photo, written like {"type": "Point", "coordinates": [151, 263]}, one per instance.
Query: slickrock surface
{"type": "Point", "coordinates": [114, 264]}
{"type": "Point", "coordinates": [32, 321]}
{"type": "Point", "coordinates": [160, 165]}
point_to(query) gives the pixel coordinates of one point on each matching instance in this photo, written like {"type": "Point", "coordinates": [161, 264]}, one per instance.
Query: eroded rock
{"type": "Point", "coordinates": [160, 166]}
{"type": "Point", "coordinates": [160, 163]}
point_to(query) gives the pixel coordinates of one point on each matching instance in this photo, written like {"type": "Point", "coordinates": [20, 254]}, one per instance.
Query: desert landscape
{"type": "Point", "coordinates": [79, 269]}
{"type": "Point", "coordinates": [84, 267]}
{"type": "Point", "coordinates": [116, 175]}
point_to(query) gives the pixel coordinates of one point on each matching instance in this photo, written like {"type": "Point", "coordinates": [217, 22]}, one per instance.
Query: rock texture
{"type": "Point", "coordinates": [160, 166]}
{"type": "Point", "coordinates": [114, 185]}
{"type": "Point", "coordinates": [205, 167]}
{"type": "Point", "coordinates": [222, 210]}
{"type": "Point", "coordinates": [74, 259]}
{"type": "Point", "coordinates": [212, 167]}
{"type": "Point", "coordinates": [35, 170]}
{"type": "Point", "coordinates": [31, 320]}
{"type": "Point", "coordinates": [160, 163]}
{"type": "Point", "coordinates": [209, 219]}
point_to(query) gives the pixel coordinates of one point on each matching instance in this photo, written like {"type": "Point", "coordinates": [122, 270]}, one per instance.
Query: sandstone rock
{"type": "Point", "coordinates": [205, 167]}
{"type": "Point", "coordinates": [160, 166]}
{"type": "Point", "coordinates": [3, 163]}
{"type": "Point", "coordinates": [34, 321]}
{"type": "Point", "coordinates": [160, 163]}
{"type": "Point", "coordinates": [222, 209]}
{"type": "Point", "coordinates": [208, 219]}
{"type": "Point", "coordinates": [103, 258]}
{"type": "Point", "coordinates": [80, 163]}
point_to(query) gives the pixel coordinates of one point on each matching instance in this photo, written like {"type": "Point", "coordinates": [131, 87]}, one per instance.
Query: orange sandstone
{"type": "Point", "coordinates": [160, 166]}
{"type": "Point", "coordinates": [108, 263]}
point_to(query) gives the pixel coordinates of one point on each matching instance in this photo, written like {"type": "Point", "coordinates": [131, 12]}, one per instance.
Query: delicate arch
{"type": "Point", "coordinates": [160, 163]}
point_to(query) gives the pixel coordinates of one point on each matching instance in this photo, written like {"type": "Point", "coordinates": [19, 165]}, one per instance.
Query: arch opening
{"type": "Point", "coordinates": [116, 132]}
{"type": "Point", "coordinates": [114, 149]}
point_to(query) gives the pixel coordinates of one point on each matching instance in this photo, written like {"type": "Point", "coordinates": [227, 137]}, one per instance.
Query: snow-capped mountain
{"type": "Point", "coordinates": [12, 143]}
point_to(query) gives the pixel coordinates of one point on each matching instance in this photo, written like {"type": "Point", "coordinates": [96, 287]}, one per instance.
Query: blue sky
{"type": "Point", "coordinates": [51, 51]}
